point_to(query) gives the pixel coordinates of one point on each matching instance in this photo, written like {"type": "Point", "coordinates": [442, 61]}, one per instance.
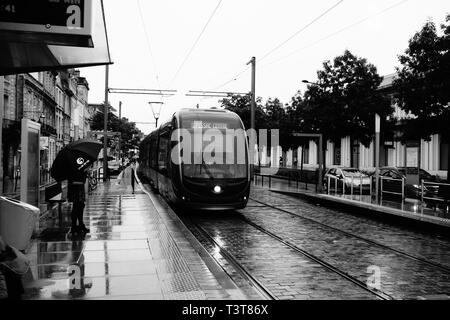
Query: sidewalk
{"type": "Point", "coordinates": [411, 210]}
{"type": "Point", "coordinates": [134, 252]}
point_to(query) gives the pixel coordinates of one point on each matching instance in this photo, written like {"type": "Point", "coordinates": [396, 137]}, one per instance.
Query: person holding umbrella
{"type": "Point", "coordinates": [72, 164]}
{"type": "Point", "coordinates": [77, 195]}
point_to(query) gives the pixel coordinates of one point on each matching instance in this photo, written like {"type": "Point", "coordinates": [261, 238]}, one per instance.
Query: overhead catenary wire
{"type": "Point", "coordinates": [147, 37]}
{"type": "Point", "coordinates": [284, 42]}
{"type": "Point", "coordinates": [191, 50]}
{"type": "Point", "coordinates": [338, 32]}
{"type": "Point", "coordinates": [322, 39]}
{"type": "Point", "coordinates": [237, 76]}
{"type": "Point", "coordinates": [301, 30]}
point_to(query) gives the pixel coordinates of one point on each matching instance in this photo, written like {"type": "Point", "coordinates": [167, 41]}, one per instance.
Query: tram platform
{"type": "Point", "coordinates": [410, 211]}
{"type": "Point", "coordinates": [138, 249]}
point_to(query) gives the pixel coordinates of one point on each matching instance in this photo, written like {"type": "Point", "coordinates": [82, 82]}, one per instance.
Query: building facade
{"type": "Point", "coordinates": [431, 155]}
{"type": "Point", "coordinates": [47, 98]}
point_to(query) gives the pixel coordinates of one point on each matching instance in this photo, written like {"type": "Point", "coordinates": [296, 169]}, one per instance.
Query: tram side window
{"type": "Point", "coordinates": [148, 154]}
{"type": "Point", "coordinates": [162, 153]}
{"type": "Point", "coordinates": [153, 153]}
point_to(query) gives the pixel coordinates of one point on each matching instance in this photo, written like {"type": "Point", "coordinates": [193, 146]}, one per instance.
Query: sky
{"type": "Point", "coordinates": [150, 39]}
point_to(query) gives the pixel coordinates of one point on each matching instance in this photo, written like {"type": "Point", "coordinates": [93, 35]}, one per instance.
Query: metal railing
{"type": "Point", "coordinates": [352, 187]}
{"type": "Point", "coordinates": [383, 191]}
{"type": "Point", "coordinates": [440, 197]}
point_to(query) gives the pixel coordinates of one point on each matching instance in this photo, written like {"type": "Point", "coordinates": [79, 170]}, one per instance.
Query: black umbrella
{"type": "Point", "coordinates": [73, 161]}
{"type": "Point", "coordinates": [90, 147]}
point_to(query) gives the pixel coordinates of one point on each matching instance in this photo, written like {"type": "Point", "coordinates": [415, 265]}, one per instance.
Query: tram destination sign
{"type": "Point", "coordinates": [61, 22]}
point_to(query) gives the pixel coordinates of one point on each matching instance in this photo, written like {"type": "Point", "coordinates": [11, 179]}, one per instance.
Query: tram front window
{"type": "Point", "coordinates": [223, 152]}
{"type": "Point", "coordinates": [230, 164]}
{"type": "Point", "coordinates": [215, 171]}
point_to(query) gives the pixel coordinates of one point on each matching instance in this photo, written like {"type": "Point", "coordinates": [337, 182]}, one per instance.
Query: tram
{"type": "Point", "coordinates": [199, 160]}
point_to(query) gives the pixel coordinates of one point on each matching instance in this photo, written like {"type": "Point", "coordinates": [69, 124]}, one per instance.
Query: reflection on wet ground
{"type": "Point", "coordinates": [128, 255]}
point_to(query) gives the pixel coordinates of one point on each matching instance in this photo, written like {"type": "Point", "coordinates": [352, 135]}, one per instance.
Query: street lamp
{"type": "Point", "coordinates": [309, 82]}
{"type": "Point", "coordinates": [156, 110]}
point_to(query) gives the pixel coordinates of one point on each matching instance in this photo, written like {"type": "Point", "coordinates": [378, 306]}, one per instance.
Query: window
{"type": "Point", "coordinates": [337, 154]}
{"type": "Point", "coordinates": [153, 152]}
{"type": "Point", "coordinates": [306, 154]}
{"type": "Point", "coordinates": [444, 156]}
{"type": "Point", "coordinates": [162, 153]}
{"type": "Point", "coordinates": [5, 105]}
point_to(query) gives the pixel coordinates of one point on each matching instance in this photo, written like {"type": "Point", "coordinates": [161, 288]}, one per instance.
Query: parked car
{"type": "Point", "coordinates": [412, 190]}
{"type": "Point", "coordinates": [346, 177]}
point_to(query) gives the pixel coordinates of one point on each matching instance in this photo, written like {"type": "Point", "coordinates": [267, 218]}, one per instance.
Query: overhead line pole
{"type": "Point", "coordinates": [120, 138]}
{"type": "Point", "coordinates": [105, 131]}
{"type": "Point", "coordinates": [253, 113]}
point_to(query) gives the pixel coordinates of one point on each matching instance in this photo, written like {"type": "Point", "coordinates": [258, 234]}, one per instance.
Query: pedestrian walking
{"type": "Point", "coordinates": [77, 196]}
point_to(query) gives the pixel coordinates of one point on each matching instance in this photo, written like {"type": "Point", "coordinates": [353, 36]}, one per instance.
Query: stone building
{"type": "Point", "coordinates": [57, 101]}
{"type": "Point", "coordinates": [431, 156]}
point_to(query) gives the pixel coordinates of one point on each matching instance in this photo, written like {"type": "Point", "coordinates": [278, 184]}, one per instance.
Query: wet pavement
{"type": "Point", "coordinates": [412, 264]}
{"type": "Point", "coordinates": [133, 252]}
{"type": "Point", "coordinates": [140, 249]}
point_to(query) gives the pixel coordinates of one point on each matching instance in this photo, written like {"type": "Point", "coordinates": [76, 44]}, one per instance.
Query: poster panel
{"type": "Point", "coordinates": [30, 164]}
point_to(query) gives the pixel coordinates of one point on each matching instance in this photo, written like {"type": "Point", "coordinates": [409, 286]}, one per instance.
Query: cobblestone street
{"type": "Point", "coordinates": [412, 264]}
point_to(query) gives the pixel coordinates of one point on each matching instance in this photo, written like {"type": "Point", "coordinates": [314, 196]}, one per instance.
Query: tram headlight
{"type": "Point", "coordinates": [217, 189]}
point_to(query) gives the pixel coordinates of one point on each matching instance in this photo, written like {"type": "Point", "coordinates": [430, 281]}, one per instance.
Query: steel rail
{"type": "Point", "coordinates": [235, 263]}
{"type": "Point", "coordinates": [326, 265]}
{"type": "Point", "coordinates": [399, 252]}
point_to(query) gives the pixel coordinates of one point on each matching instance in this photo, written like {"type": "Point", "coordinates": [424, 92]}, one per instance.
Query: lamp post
{"type": "Point", "coordinates": [377, 156]}
{"type": "Point", "coordinates": [156, 110]}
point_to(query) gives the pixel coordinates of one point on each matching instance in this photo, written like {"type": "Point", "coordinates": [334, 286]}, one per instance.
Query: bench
{"type": "Point", "coordinates": [54, 195]}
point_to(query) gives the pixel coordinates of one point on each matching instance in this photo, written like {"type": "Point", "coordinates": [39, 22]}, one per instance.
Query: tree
{"type": "Point", "coordinates": [241, 105]}
{"type": "Point", "coordinates": [128, 130]}
{"type": "Point", "coordinates": [423, 84]}
{"type": "Point", "coordinates": [278, 118]}
{"type": "Point", "coordinates": [344, 101]}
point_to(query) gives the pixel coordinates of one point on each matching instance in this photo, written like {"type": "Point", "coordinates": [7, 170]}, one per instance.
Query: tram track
{"type": "Point", "coordinates": [349, 234]}
{"type": "Point", "coordinates": [246, 274]}
{"type": "Point", "coordinates": [259, 286]}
